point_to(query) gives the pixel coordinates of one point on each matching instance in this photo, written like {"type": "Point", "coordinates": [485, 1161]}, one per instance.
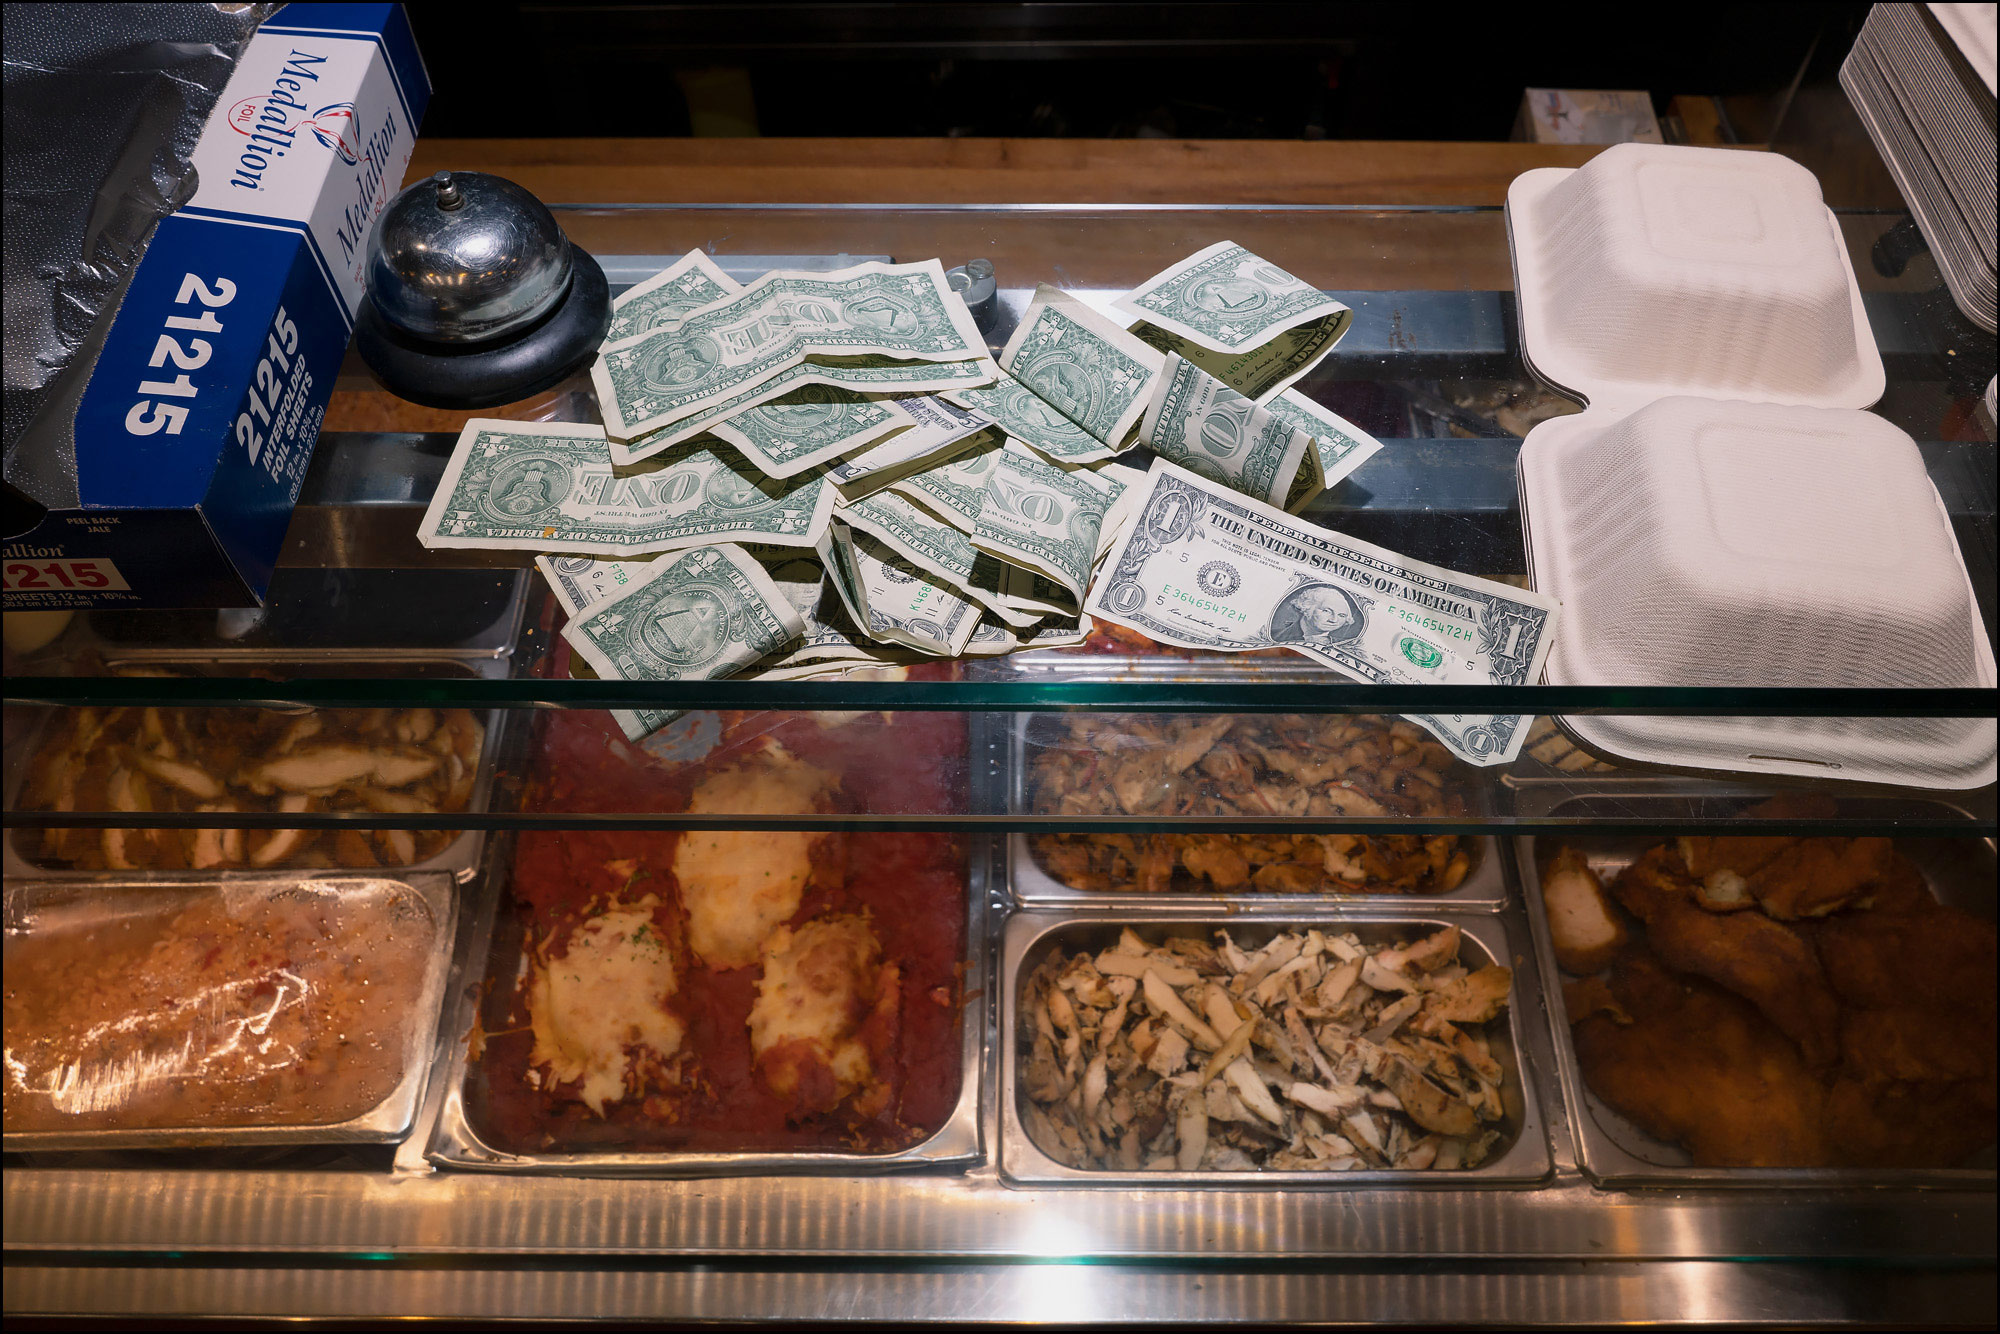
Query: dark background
{"type": "Point", "coordinates": [1173, 70]}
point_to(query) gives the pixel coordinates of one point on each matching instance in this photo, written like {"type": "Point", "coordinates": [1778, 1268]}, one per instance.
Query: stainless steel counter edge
{"type": "Point", "coordinates": [943, 1217]}
{"type": "Point", "coordinates": [1566, 1292]}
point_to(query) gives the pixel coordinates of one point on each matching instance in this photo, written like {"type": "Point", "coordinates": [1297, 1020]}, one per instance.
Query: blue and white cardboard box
{"type": "Point", "coordinates": [193, 435]}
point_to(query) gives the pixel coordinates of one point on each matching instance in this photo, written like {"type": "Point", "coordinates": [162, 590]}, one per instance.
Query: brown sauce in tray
{"type": "Point", "coordinates": [216, 1010]}
{"type": "Point", "coordinates": [911, 886]}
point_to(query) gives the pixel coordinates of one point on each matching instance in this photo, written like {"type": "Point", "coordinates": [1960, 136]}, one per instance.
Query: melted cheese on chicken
{"type": "Point", "coordinates": [737, 886]}
{"type": "Point", "coordinates": [821, 982]}
{"type": "Point", "coordinates": [599, 1012]}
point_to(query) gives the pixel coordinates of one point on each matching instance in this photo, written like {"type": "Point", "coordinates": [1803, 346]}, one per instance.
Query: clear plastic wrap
{"type": "Point", "coordinates": [163, 1013]}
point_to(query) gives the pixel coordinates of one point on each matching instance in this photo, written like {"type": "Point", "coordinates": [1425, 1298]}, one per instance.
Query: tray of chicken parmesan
{"type": "Point", "coordinates": [1771, 1011]}
{"type": "Point", "coordinates": [729, 1001]}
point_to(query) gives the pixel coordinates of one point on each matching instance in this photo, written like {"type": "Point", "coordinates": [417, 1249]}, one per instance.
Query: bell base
{"type": "Point", "coordinates": [484, 375]}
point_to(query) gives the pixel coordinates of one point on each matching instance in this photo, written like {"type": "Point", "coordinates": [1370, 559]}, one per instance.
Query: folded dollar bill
{"type": "Point", "coordinates": [1205, 567]}
{"type": "Point", "coordinates": [991, 638]}
{"type": "Point", "coordinates": [1341, 445]}
{"type": "Point", "coordinates": [955, 490]}
{"type": "Point", "coordinates": [668, 297]}
{"type": "Point", "coordinates": [692, 616]}
{"type": "Point", "coordinates": [884, 665]}
{"type": "Point", "coordinates": [829, 646]}
{"type": "Point", "coordinates": [1027, 417]}
{"type": "Point", "coordinates": [901, 311]}
{"type": "Point", "coordinates": [1203, 425]}
{"type": "Point", "coordinates": [580, 582]}
{"type": "Point", "coordinates": [1031, 596]}
{"type": "Point", "coordinates": [864, 375]}
{"type": "Point", "coordinates": [1044, 517]}
{"type": "Point", "coordinates": [812, 425]}
{"type": "Point", "coordinates": [936, 548]}
{"type": "Point", "coordinates": [1131, 483]}
{"type": "Point", "coordinates": [895, 602]}
{"type": "Point", "coordinates": [550, 486]}
{"type": "Point", "coordinates": [1082, 365]}
{"type": "Point", "coordinates": [829, 633]}
{"type": "Point", "coordinates": [941, 430]}
{"type": "Point", "coordinates": [584, 581]}
{"type": "Point", "coordinates": [1242, 319]}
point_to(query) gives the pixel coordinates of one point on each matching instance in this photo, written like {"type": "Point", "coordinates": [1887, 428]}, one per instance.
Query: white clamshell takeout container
{"type": "Point", "coordinates": [1706, 542]}
{"type": "Point", "coordinates": [1656, 269]}
{"type": "Point", "coordinates": [1722, 513]}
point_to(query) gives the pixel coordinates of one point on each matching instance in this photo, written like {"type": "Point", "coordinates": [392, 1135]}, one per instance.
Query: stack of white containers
{"type": "Point", "coordinates": [1723, 514]}
{"type": "Point", "coordinates": [1922, 79]}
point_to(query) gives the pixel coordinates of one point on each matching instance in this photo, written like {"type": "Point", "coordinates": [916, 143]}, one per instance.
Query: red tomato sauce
{"type": "Point", "coordinates": [912, 886]}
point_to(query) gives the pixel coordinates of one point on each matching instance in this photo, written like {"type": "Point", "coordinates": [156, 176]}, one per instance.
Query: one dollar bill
{"type": "Point", "coordinates": [955, 490]}
{"type": "Point", "coordinates": [941, 430]}
{"type": "Point", "coordinates": [1045, 518]}
{"type": "Point", "coordinates": [1239, 317]}
{"type": "Point", "coordinates": [694, 616]}
{"type": "Point", "coordinates": [1081, 364]}
{"type": "Point", "coordinates": [1341, 445]}
{"type": "Point", "coordinates": [862, 375]}
{"type": "Point", "coordinates": [893, 601]}
{"type": "Point", "coordinates": [668, 297]}
{"type": "Point", "coordinates": [1025, 416]}
{"type": "Point", "coordinates": [992, 638]}
{"type": "Point", "coordinates": [936, 548]}
{"type": "Point", "coordinates": [1203, 425]}
{"type": "Point", "coordinates": [550, 486]}
{"type": "Point", "coordinates": [811, 425]}
{"type": "Point", "coordinates": [902, 311]}
{"type": "Point", "coordinates": [580, 582]}
{"type": "Point", "coordinates": [1205, 567]}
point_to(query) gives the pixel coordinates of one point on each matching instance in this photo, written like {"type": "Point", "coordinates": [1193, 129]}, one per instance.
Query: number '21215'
{"type": "Point", "coordinates": [148, 417]}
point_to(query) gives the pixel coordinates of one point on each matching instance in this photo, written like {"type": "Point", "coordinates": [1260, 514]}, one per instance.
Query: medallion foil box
{"type": "Point", "coordinates": [193, 435]}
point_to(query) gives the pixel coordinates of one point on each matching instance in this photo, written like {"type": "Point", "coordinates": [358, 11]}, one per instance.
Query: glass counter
{"type": "Point", "coordinates": [1078, 791]}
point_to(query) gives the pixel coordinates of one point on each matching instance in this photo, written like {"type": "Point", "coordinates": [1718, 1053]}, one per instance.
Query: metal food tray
{"type": "Point", "coordinates": [354, 615]}
{"type": "Point", "coordinates": [1545, 795]}
{"type": "Point", "coordinates": [1612, 1151]}
{"type": "Point", "coordinates": [433, 896]}
{"type": "Point", "coordinates": [454, 1142]}
{"type": "Point", "coordinates": [1484, 888]}
{"type": "Point", "coordinates": [457, 858]}
{"type": "Point", "coordinates": [1030, 937]}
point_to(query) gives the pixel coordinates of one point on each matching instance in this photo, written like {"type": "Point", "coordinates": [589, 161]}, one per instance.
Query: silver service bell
{"type": "Point", "coordinates": [475, 295]}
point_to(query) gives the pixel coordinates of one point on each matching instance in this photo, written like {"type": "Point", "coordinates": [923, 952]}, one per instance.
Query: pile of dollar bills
{"type": "Point", "coordinates": [823, 473]}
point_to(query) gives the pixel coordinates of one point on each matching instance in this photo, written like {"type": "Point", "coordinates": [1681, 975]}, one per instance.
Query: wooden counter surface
{"type": "Point", "coordinates": [998, 171]}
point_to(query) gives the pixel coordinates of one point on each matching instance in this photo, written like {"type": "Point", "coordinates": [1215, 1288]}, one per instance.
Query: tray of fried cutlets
{"type": "Point", "coordinates": [1771, 1011]}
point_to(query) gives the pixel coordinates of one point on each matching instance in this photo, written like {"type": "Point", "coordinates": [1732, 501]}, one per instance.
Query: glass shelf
{"type": "Point", "coordinates": [361, 616]}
